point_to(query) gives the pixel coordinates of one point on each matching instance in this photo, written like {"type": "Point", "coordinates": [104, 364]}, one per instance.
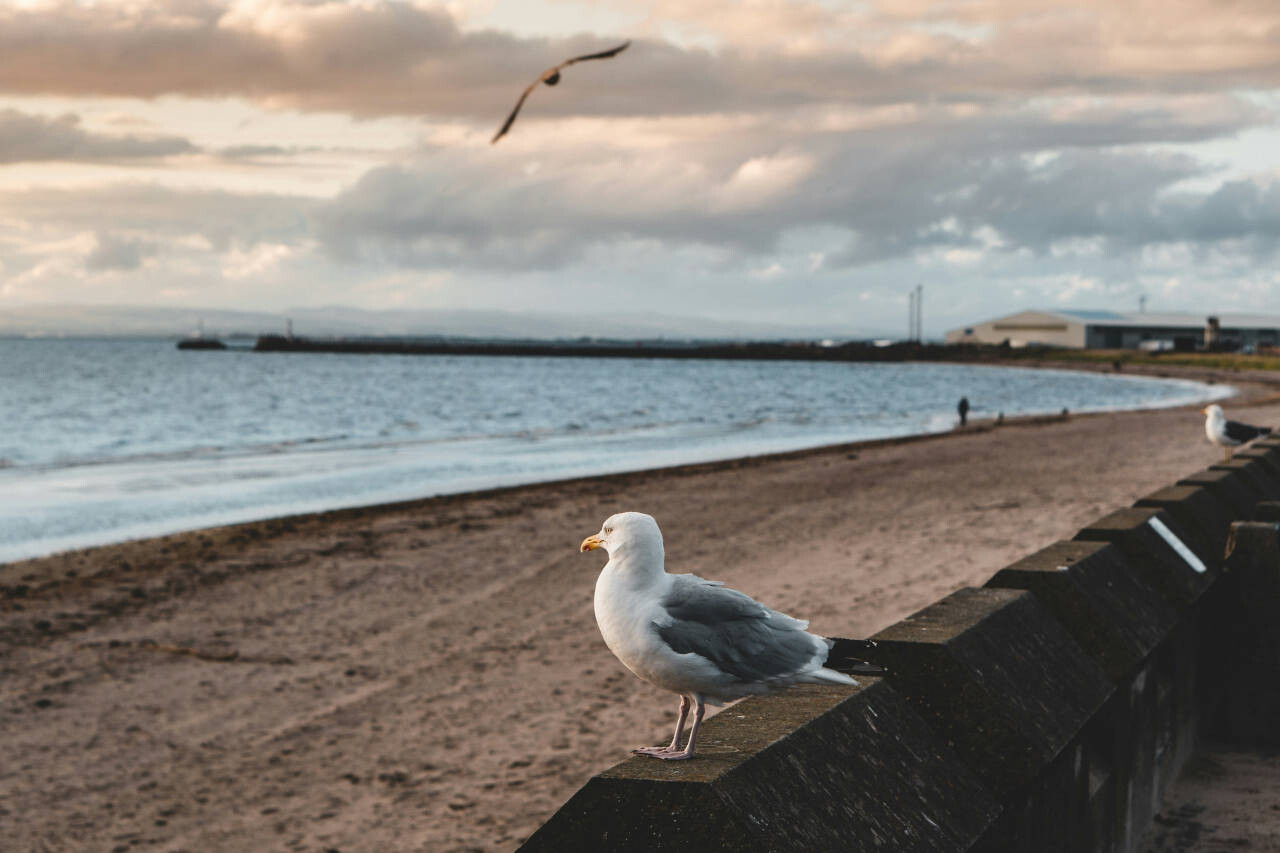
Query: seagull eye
{"type": "Point", "coordinates": [608, 530]}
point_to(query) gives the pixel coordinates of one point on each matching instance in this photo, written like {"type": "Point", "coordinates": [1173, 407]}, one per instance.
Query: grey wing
{"type": "Point", "coordinates": [1243, 433]}
{"type": "Point", "coordinates": [735, 632]}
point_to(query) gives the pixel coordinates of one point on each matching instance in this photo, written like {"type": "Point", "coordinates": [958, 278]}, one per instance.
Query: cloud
{"type": "Point", "coordinates": [253, 152]}
{"type": "Point", "coordinates": [29, 138]}
{"type": "Point", "coordinates": [736, 153]}
{"type": "Point", "coordinates": [372, 58]}
{"type": "Point", "coordinates": [1011, 181]}
{"type": "Point", "coordinates": [116, 253]}
{"type": "Point", "coordinates": [380, 57]}
{"type": "Point", "coordinates": [257, 262]}
{"type": "Point", "coordinates": [219, 219]}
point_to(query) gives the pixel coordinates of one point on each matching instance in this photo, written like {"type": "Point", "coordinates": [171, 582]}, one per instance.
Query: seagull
{"type": "Point", "coordinates": [551, 77]}
{"type": "Point", "coordinates": [694, 637]}
{"type": "Point", "coordinates": [1228, 434]}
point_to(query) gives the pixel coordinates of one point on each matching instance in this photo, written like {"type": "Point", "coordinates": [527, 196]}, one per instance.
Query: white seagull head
{"type": "Point", "coordinates": [626, 532]}
{"type": "Point", "coordinates": [1214, 412]}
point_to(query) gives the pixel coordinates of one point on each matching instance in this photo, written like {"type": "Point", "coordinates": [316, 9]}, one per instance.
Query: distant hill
{"type": "Point", "coordinates": [145, 321]}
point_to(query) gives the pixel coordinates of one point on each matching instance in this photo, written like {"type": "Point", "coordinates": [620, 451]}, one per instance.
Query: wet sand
{"type": "Point", "coordinates": [428, 675]}
{"type": "Point", "coordinates": [1225, 800]}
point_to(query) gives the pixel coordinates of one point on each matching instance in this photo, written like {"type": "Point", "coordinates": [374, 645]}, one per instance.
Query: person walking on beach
{"type": "Point", "coordinates": [963, 409]}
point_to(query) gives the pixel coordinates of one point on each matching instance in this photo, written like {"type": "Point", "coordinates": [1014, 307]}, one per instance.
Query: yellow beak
{"type": "Point", "coordinates": [590, 544]}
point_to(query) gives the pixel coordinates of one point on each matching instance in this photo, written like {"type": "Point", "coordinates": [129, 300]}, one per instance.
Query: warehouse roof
{"type": "Point", "coordinates": [1167, 319]}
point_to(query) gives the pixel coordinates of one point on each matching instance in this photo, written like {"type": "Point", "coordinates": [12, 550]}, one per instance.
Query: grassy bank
{"type": "Point", "coordinates": [1212, 360]}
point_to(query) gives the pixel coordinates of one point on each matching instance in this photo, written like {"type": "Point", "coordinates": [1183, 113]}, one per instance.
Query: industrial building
{"type": "Point", "coordinates": [1124, 330]}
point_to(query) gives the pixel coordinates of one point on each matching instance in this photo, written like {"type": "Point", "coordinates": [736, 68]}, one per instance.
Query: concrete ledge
{"type": "Point", "coordinates": [1203, 516]}
{"type": "Point", "coordinates": [1226, 487]}
{"type": "Point", "coordinates": [1153, 558]}
{"type": "Point", "coordinates": [1267, 511]}
{"type": "Point", "coordinates": [1093, 591]}
{"type": "Point", "coordinates": [1267, 456]}
{"type": "Point", "coordinates": [877, 779]}
{"type": "Point", "coordinates": [1257, 472]}
{"type": "Point", "coordinates": [998, 678]}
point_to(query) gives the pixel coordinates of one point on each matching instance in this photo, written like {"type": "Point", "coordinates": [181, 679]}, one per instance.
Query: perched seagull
{"type": "Point", "coordinates": [1228, 434]}
{"type": "Point", "coordinates": [551, 77]}
{"type": "Point", "coordinates": [692, 636]}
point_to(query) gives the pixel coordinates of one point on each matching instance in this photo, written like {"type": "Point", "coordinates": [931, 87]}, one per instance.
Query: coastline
{"type": "Point", "coordinates": [427, 674]}
{"type": "Point", "coordinates": [424, 473]}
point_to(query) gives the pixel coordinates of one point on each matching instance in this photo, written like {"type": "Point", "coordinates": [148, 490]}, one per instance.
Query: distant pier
{"type": "Point", "coordinates": [758, 350]}
{"type": "Point", "coordinates": [201, 343]}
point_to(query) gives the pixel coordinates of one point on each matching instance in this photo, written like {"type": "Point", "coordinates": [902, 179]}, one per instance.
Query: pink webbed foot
{"type": "Point", "coordinates": [672, 752]}
{"type": "Point", "coordinates": [666, 753]}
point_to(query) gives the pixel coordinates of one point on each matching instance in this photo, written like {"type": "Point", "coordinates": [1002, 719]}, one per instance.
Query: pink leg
{"type": "Point", "coordinates": [672, 755]}
{"type": "Point", "coordinates": [674, 746]}
{"type": "Point", "coordinates": [693, 730]}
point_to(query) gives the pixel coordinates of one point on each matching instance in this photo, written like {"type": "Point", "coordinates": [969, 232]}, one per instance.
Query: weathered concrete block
{"type": "Point", "coordinates": [1267, 511]}
{"type": "Point", "coordinates": [1229, 486]}
{"type": "Point", "coordinates": [997, 677]}
{"type": "Point", "coordinates": [1151, 726]}
{"type": "Point", "coordinates": [1256, 472]}
{"type": "Point", "coordinates": [1242, 640]}
{"type": "Point", "coordinates": [1105, 605]}
{"type": "Point", "coordinates": [1054, 813]}
{"type": "Point", "coordinates": [812, 768]}
{"type": "Point", "coordinates": [1203, 515]}
{"type": "Point", "coordinates": [1270, 446]}
{"type": "Point", "coordinates": [1268, 456]}
{"type": "Point", "coordinates": [1159, 550]}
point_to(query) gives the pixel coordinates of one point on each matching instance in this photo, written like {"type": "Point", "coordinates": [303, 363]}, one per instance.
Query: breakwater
{"type": "Point", "coordinates": [756, 350]}
{"type": "Point", "coordinates": [1048, 710]}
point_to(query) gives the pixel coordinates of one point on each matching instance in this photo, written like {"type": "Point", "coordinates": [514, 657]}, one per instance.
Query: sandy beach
{"type": "Point", "coordinates": [428, 675]}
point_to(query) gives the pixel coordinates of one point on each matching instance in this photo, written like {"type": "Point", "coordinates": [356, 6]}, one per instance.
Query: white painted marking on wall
{"type": "Point", "coordinates": [1176, 544]}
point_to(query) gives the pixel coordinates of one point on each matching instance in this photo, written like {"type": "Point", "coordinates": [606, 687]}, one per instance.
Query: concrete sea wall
{"type": "Point", "coordinates": [1045, 711]}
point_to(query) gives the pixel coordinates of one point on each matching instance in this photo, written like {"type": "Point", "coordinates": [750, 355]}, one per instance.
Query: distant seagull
{"type": "Point", "coordinates": [1228, 434]}
{"type": "Point", "coordinates": [691, 636]}
{"type": "Point", "coordinates": [551, 77]}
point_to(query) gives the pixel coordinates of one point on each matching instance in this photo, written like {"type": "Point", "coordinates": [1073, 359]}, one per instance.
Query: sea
{"type": "Point", "coordinates": [107, 440]}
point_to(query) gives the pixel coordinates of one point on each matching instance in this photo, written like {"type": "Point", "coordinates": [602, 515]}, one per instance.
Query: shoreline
{"type": "Point", "coordinates": [428, 675]}
{"type": "Point", "coordinates": [236, 518]}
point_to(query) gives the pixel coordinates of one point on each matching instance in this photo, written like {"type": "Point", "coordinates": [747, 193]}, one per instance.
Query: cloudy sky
{"type": "Point", "coordinates": [750, 160]}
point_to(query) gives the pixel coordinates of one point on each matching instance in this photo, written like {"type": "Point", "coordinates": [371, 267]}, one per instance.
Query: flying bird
{"type": "Point", "coordinates": [551, 77]}
{"type": "Point", "coordinates": [694, 637]}
{"type": "Point", "coordinates": [1228, 434]}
